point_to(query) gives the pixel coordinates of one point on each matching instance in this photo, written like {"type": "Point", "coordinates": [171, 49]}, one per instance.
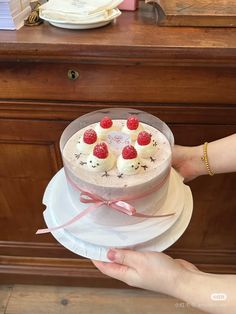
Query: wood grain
{"type": "Point", "coordinates": [50, 300]}
{"type": "Point", "coordinates": [176, 112]}
{"type": "Point", "coordinates": [218, 13]}
{"type": "Point", "coordinates": [116, 83]}
{"type": "Point", "coordinates": [134, 37]}
{"type": "Point", "coordinates": [186, 77]}
{"type": "Point", "coordinates": [5, 294]}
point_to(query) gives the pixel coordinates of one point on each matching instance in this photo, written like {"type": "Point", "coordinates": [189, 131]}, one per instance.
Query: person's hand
{"type": "Point", "coordinates": [152, 271]}
{"type": "Point", "coordinates": [187, 161]}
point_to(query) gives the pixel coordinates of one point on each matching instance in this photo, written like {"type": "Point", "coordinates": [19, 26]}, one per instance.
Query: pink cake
{"type": "Point", "coordinates": [118, 156]}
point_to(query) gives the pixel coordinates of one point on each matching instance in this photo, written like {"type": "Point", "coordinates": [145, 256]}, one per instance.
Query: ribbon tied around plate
{"type": "Point", "coordinates": [119, 205]}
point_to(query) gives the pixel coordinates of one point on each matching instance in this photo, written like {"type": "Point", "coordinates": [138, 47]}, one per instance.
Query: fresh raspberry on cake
{"type": "Point", "coordinates": [132, 123]}
{"type": "Point", "coordinates": [129, 152]}
{"type": "Point", "coordinates": [101, 151]}
{"type": "Point", "coordinates": [106, 123]}
{"type": "Point", "coordinates": [90, 136]}
{"type": "Point", "coordinates": [144, 138]}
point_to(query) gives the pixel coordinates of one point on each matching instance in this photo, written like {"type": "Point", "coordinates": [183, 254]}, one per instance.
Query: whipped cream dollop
{"type": "Point", "coordinates": [101, 159]}
{"type": "Point", "coordinates": [102, 133]}
{"type": "Point", "coordinates": [145, 151]}
{"type": "Point", "coordinates": [104, 127]}
{"type": "Point", "coordinates": [133, 133]}
{"type": "Point", "coordinates": [129, 162]}
{"type": "Point", "coordinates": [84, 148]}
{"type": "Point", "coordinates": [132, 127]}
{"type": "Point", "coordinates": [145, 145]}
{"type": "Point", "coordinates": [128, 166]}
{"type": "Point", "coordinates": [87, 142]}
{"type": "Point", "coordinates": [100, 165]}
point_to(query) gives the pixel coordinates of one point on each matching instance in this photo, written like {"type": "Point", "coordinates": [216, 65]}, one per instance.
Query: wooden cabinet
{"type": "Point", "coordinates": [118, 83]}
{"type": "Point", "coordinates": [185, 76]}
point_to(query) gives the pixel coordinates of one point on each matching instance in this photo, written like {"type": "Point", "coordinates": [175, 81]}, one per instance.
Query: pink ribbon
{"type": "Point", "coordinates": [97, 201]}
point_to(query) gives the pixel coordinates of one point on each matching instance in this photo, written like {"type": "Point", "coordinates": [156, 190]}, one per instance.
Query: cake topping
{"type": "Point", "coordinates": [129, 152]}
{"type": "Point", "coordinates": [90, 136]}
{"type": "Point", "coordinates": [132, 127]}
{"type": "Point", "coordinates": [132, 123]}
{"type": "Point", "coordinates": [101, 159]}
{"type": "Point", "coordinates": [128, 162]}
{"type": "Point", "coordinates": [104, 127]}
{"type": "Point", "coordinates": [144, 145]}
{"type": "Point", "coordinates": [101, 151]}
{"type": "Point", "coordinates": [144, 138]}
{"type": "Point", "coordinates": [106, 123]}
{"type": "Point", "coordinates": [86, 142]}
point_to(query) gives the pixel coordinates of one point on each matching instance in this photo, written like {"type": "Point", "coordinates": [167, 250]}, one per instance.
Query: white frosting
{"type": "Point", "coordinates": [98, 164]}
{"type": "Point", "coordinates": [102, 133]}
{"type": "Point", "coordinates": [128, 166]}
{"type": "Point", "coordinates": [133, 133]}
{"type": "Point", "coordinates": [145, 151]}
{"type": "Point", "coordinates": [83, 147]}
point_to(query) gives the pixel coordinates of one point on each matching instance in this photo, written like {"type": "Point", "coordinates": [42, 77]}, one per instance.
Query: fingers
{"type": "Point", "coordinates": [117, 271]}
{"type": "Point", "coordinates": [124, 266]}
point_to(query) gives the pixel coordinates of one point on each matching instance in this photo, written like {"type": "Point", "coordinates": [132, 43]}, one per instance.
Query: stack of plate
{"type": "Point", "coordinates": [92, 240]}
{"type": "Point", "coordinates": [83, 14]}
{"type": "Point", "coordinates": [13, 13]}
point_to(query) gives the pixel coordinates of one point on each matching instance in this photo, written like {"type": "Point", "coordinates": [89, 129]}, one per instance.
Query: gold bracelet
{"type": "Point", "coordinates": [204, 158]}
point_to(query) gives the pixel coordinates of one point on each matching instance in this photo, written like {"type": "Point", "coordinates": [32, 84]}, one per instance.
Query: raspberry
{"type": "Point", "coordinates": [101, 151]}
{"type": "Point", "coordinates": [144, 138]}
{"type": "Point", "coordinates": [90, 136]}
{"type": "Point", "coordinates": [132, 123]}
{"type": "Point", "coordinates": [129, 152]}
{"type": "Point", "coordinates": [106, 123]}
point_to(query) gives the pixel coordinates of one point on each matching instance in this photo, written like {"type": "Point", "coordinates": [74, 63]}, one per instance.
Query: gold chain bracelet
{"type": "Point", "coordinates": [204, 158]}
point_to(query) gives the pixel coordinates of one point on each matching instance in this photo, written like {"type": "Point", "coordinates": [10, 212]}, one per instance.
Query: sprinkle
{"type": "Point", "coordinates": [83, 163]}
{"type": "Point", "coordinates": [105, 174]}
{"type": "Point", "coordinates": [77, 156]}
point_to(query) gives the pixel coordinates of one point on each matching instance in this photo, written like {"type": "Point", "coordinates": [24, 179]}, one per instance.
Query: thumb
{"type": "Point", "coordinates": [124, 266]}
{"type": "Point", "coordinates": [128, 258]}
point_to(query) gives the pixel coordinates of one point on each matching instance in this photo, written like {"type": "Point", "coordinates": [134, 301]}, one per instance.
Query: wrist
{"type": "Point", "coordinates": [198, 165]}
{"type": "Point", "coordinates": [180, 281]}
{"type": "Point", "coordinates": [193, 288]}
{"type": "Point", "coordinates": [185, 283]}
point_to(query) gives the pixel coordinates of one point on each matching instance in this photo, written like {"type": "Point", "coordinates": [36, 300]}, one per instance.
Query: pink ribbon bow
{"type": "Point", "coordinates": [97, 201]}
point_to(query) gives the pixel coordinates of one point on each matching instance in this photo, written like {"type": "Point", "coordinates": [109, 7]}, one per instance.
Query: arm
{"type": "Point", "coordinates": [221, 157]}
{"type": "Point", "coordinates": [178, 278]}
{"type": "Point", "coordinates": [202, 287]}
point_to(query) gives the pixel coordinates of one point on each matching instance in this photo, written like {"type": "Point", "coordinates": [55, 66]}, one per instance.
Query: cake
{"type": "Point", "coordinates": [118, 154]}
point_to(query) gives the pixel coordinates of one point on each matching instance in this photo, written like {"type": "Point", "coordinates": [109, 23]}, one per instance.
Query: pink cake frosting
{"type": "Point", "coordinates": [135, 170]}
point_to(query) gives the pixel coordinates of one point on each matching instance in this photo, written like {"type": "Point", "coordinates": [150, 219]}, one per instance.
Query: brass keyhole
{"type": "Point", "coordinates": [72, 75]}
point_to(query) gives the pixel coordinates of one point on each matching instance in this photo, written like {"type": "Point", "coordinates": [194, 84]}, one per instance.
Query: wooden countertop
{"type": "Point", "coordinates": [134, 37]}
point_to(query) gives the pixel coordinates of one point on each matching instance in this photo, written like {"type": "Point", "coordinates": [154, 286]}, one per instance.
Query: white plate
{"type": "Point", "coordinates": [158, 244]}
{"type": "Point", "coordinates": [81, 20]}
{"type": "Point", "coordinates": [59, 204]}
{"type": "Point", "coordinates": [80, 26]}
{"type": "Point", "coordinates": [89, 24]}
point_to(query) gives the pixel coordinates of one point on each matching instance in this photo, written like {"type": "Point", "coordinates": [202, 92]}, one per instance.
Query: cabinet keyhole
{"type": "Point", "coordinates": [72, 75]}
